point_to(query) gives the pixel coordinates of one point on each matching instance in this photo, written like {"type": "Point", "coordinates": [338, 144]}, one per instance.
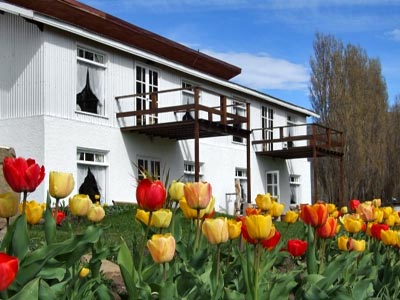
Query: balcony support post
{"type": "Point", "coordinates": [196, 136]}
{"type": "Point", "coordinates": [248, 162]}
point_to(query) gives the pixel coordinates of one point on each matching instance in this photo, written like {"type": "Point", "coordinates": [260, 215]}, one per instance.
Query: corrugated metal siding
{"type": "Point", "coordinates": [21, 72]}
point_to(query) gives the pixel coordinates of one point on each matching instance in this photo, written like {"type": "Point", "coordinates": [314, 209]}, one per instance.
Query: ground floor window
{"type": "Point", "coordinates": [240, 189]}
{"type": "Point", "coordinates": [294, 189]}
{"type": "Point", "coordinates": [272, 183]}
{"type": "Point", "coordinates": [92, 174]}
{"type": "Point", "coordinates": [189, 171]}
{"type": "Point", "coordinates": [150, 166]}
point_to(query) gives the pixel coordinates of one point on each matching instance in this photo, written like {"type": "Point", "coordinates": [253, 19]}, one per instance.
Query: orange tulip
{"type": "Point", "coordinates": [328, 230]}
{"type": "Point", "coordinates": [314, 215]}
{"type": "Point", "coordinates": [197, 194]}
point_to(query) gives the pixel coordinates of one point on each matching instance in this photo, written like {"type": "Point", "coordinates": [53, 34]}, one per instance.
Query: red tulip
{"type": "Point", "coordinates": [328, 230]}
{"type": "Point", "coordinates": [8, 270]}
{"type": "Point", "coordinates": [272, 242]}
{"type": "Point", "coordinates": [296, 247]}
{"type": "Point", "coordinates": [376, 230]}
{"type": "Point", "coordinates": [314, 215]}
{"type": "Point", "coordinates": [354, 204]}
{"type": "Point", "coordinates": [150, 194]}
{"type": "Point", "coordinates": [60, 217]}
{"type": "Point", "coordinates": [22, 175]}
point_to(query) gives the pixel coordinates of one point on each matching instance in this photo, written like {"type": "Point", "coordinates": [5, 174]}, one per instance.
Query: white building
{"type": "Point", "coordinates": [64, 66]}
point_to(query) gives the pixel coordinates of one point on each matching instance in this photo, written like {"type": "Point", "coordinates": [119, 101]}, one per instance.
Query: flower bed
{"type": "Point", "coordinates": [182, 249]}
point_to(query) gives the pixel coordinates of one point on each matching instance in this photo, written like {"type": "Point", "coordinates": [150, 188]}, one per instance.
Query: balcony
{"type": "Point", "coordinates": [298, 141]}
{"type": "Point", "coordinates": [156, 114]}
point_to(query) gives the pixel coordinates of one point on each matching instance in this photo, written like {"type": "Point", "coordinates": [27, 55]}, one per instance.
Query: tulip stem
{"type": "Point", "coordinates": [257, 252]}
{"type": "Point", "coordinates": [164, 272]}
{"type": "Point", "coordinates": [218, 266]}
{"type": "Point", "coordinates": [144, 243]}
{"type": "Point", "coordinates": [197, 241]}
{"type": "Point", "coordinates": [25, 195]}
{"type": "Point", "coordinates": [56, 210]}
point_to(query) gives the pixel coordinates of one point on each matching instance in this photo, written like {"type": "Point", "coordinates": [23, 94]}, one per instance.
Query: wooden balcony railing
{"type": "Point", "coordinates": [296, 141]}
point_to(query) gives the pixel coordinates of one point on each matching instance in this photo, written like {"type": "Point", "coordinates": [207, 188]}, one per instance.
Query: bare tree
{"type": "Point", "coordinates": [349, 93]}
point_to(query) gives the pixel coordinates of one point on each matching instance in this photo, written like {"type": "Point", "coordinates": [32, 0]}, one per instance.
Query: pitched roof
{"type": "Point", "coordinates": [99, 22]}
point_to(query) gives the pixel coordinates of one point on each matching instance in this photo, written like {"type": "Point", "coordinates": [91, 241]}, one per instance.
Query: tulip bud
{"type": "Point", "coordinates": [161, 218]}
{"type": "Point", "coordinates": [143, 216]}
{"type": "Point", "coordinates": [259, 227]}
{"type": "Point", "coordinates": [296, 247]}
{"type": "Point", "coordinates": [216, 230]}
{"type": "Point", "coordinates": [84, 272]}
{"type": "Point", "coordinates": [276, 209]}
{"type": "Point", "coordinates": [264, 202]}
{"type": "Point", "coordinates": [96, 213]}
{"type": "Point", "coordinates": [291, 217]}
{"type": "Point", "coordinates": [8, 270]}
{"type": "Point", "coordinates": [188, 212]}
{"type": "Point", "coordinates": [8, 204]}
{"type": "Point", "coordinates": [161, 247]}
{"type": "Point", "coordinates": [80, 204]}
{"type": "Point", "coordinates": [150, 195]}
{"type": "Point", "coordinates": [33, 211]}
{"type": "Point", "coordinates": [197, 194]}
{"type": "Point", "coordinates": [176, 190]}
{"type": "Point", "coordinates": [234, 229]}
{"type": "Point", "coordinates": [61, 184]}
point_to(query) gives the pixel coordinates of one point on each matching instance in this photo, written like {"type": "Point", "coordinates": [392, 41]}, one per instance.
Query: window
{"type": "Point", "coordinates": [267, 123]}
{"type": "Point", "coordinates": [240, 189]}
{"type": "Point", "coordinates": [90, 81]}
{"type": "Point", "coordinates": [238, 108]}
{"type": "Point", "coordinates": [273, 183]}
{"type": "Point", "coordinates": [92, 174]}
{"type": "Point", "coordinates": [151, 166]}
{"type": "Point", "coordinates": [189, 171]}
{"type": "Point", "coordinates": [146, 82]}
{"type": "Point", "coordinates": [294, 188]}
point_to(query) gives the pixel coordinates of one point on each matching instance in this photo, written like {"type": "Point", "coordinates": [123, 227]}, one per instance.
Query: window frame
{"type": "Point", "coordinates": [148, 162]}
{"type": "Point", "coordinates": [273, 184]}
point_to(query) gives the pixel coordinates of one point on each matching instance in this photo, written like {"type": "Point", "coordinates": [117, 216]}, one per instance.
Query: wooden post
{"type": "Point", "coordinates": [222, 101]}
{"type": "Point", "coordinates": [196, 136]}
{"type": "Point", "coordinates": [248, 161]}
{"type": "Point", "coordinates": [315, 165]}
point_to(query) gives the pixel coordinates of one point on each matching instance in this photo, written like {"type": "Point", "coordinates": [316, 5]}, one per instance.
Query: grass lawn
{"type": "Point", "coordinates": [120, 223]}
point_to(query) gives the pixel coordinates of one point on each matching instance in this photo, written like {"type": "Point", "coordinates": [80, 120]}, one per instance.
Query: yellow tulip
{"type": "Point", "coordinates": [197, 194]}
{"type": "Point", "coordinates": [234, 228]}
{"type": "Point", "coordinates": [143, 216]}
{"type": "Point", "coordinates": [84, 272]}
{"type": "Point", "coordinates": [387, 211]}
{"type": "Point", "coordinates": [175, 191]}
{"type": "Point", "coordinates": [210, 207]}
{"type": "Point", "coordinates": [264, 202]}
{"type": "Point", "coordinates": [33, 211]}
{"type": "Point", "coordinates": [80, 204]}
{"type": "Point", "coordinates": [344, 210]}
{"type": "Point", "coordinates": [60, 184]}
{"type": "Point", "coordinates": [343, 243]}
{"type": "Point", "coordinates": [215, 230]}
{"type": "Point", "coordinates": [331, 208]}
{"type": "Point", "coordinates": [259, 227]}
{"type": "Point", "coordinates": [352, 223]}
{"type": "Point", "coordinates": [377, 202]}
{"type": "Point", "coordinates": [390, 220]}
{"type": "Point", "coordinates": [161, 247]}
{"type": "Point", "coordinates": [96, 213]}
{"type": "Point", "coordinates": [378, 215]}
{"type": "Point", "coordinates": [357, 245]}
{"type": "Point", "coordinates": [389, 237]}
{"type": "Point", "coordinates": [8, 204]}
{"type": "Point", "coordinates": [276, 209]}
{"type": "Point", "coordinates": [291, 217]}
{"type": "Point", "coordinates": [188, 212]}
{"type": "Point", "coordinates": [161, 218]}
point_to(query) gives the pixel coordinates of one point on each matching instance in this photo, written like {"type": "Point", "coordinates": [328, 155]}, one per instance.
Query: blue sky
{"type": "Point", "coordinates": [271, 40]}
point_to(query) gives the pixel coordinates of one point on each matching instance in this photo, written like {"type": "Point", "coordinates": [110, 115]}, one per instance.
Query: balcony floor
{"type": "Point", "coordinates": [184, 130]}
{"type": "Point", "coordinates": [300, 152]}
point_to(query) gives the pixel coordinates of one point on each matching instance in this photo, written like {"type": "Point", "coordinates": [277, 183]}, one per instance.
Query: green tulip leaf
{"type": "Point", "coordinates": [45, 291]}
{"type": "Point", "coordinates": [49, 223]}
{"type": "Point", "coordinates": [29, 291]}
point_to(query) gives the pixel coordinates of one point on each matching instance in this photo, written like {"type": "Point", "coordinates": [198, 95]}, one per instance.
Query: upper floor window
{"type": "Point", "coordinates": [267, 123]}
{"type": "Point", "coordinates": [187, 98]}
{"type": "Point", "coordinates": [146, 82]}
{"type": "Point", "coordinates": [90, 81]}
{"type": "Point", "coordinates": [238, 108]}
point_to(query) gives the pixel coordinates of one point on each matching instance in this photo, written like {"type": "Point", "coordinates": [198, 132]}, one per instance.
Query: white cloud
{"type": "Point", "coordinates": [394, 34]}
{"type": "Point", "coordinates": [263, 72]}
